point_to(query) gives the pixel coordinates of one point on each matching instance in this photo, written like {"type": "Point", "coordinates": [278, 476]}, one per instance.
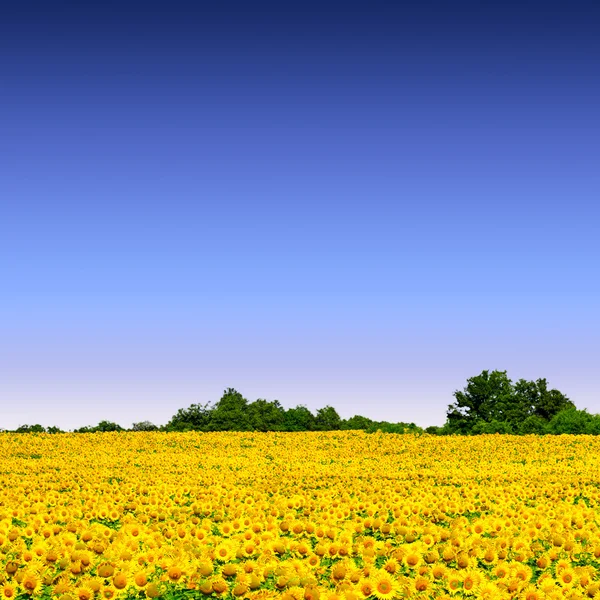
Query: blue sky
{"type": "Point", "coordinates": [360, 206]}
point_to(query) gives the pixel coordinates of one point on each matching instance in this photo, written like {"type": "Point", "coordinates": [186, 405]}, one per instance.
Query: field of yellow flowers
{"type": "Point", "coordinates": [306, 516]}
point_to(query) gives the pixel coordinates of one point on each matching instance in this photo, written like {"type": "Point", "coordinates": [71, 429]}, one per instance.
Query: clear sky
{"type": "Point", "coordinates": [360, 205]}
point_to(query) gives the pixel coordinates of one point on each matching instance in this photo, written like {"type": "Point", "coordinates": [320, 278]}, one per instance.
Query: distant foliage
{"type": "Point", "coordinates": [234, 413]}
{"type": "Point", "coordinates": [490, 403]}
{"type": "Point", "coordinates": [144, 426]}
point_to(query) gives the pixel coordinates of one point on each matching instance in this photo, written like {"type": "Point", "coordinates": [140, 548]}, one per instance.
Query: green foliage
{"type": "Point", "coordinates": [533, 424]}
{"type": "Point", "coordinates": [357, 422]}
{"type": "Point", "coordinates": [534, 398]}
{"type": "Point", "coordinates": [194, 418]}
{"type": "Point", "coordinates": [298, 419]}
{"type": "Point", "coordinates": [487, 397]}
{"type": "Point", "coordinates": [433, 430]}
{"type": "Point", "coordinates": [266, 416]}
{"type": "Point", "coordinates": [108, 426]}
{"type": "Point", "coordinates": [144, 426]}
{"type": "Point", "coordinates": [574, 421]}
{"type": "Point", "coordinates": [37, 429]}
{"type": "Point", "coordinates": [327, 419]}
{"type": "Point", "coordinates": [492, 427]}
{"type": "Point", "coordinates": [30, 429]}
{"type": "Point", "coordinates": [103, 426]}
{"type": "Point", "coordinates": [230, 413]}
{"type": "Point", "coordinates": [490, 403]}
{"type": "Point", "coordinates": [386, 427]}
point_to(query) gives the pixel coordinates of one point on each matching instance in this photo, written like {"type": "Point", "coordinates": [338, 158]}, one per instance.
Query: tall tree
{"type": "Point", "coordinates": [327, 419]}
{"type": "Point", "coordinates": [549, 402]}
{"type": "Point", "coordinates": [266, 416]}
{"type": "Point", "coordinates": [194, 418]}
{"type": "Point", "coordinates": [298, 419]}
{"type": "Point", "coordinates": [487, 397]}
{"type": "Point", "coordinates": [230, 413]}
{"type": "Point", "coordinates": [358, 422]}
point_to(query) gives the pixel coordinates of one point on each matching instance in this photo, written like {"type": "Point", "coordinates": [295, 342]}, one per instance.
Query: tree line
{"type": "Point", "coordinates": [489, 403]}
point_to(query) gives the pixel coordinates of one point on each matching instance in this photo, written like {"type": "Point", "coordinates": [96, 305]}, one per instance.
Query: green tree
{"type": "Point", "coordinates": [266, 416]}
{"type": "Point", "coordinates": [108, 426]}
{"type": "Point", "coordinates": [533, 424]}
{"type": "Point", "coordinates": [144, 426]}
{"type": "Point", "coordinates": [487, 397]}
{"type": "Point", "coordinates": [549, 403]}
{"type": "Point", "coordinates": [357, 422]}
{"type": "Point", "coordinates": [194, 418]}
{"type": "Point", "coordinates": [298, 419]}
{"type": "Point", "coordinates": [574, 421]}
{"type": "Point", "coordinates": [30, 429]}
{"type": "Point", "coordinates": [534, 398]}
{"type": "Point", "coordinates": [230, 413]}
{"type": "Point", "coordinates": [386, 427]}
{"type": "Point", "coordinates": [492, 427]}
{"type": "Point", "coordinates": [327, 419]}
{"type": "Point", "coordinates": [435, 430]}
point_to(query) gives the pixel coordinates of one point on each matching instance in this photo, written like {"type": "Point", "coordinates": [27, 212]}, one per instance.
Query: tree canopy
{"type": "Point", "coordinates": [489, 403]}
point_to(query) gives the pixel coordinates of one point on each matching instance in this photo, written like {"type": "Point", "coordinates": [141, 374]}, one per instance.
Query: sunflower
{"type": "Point", "coordinates": [140, 579]}
{"type": "Point", "coordinates": [365, 587]}
{"type": "Point", "coordinates": [220, 586]}
{"type": "Point", "coordinates": [470, 581]}
{"type": "Point", "coordinates": [313, 560]}
{"type": "Point", "coordinates": [421, 584]}
{"type": "Point", "coordinates": [8, 590]}
{"type": "Point", "coordinates": [412, 559]}
{"type": "Point", "coordinates": [93, 583]}
{"type": "Point", "coordinates": [532, 593]}
{"type": "Point", "coordinates": [311, 593]}
{"type": "Point", "coordinates": [339, 572]}
{"type": "Point", "coordinates": [105, 570]}
{"type": "Point", "coordinates": [228, 570]}
{"type": "Point", "coordinates": [108, 592]}
{"type": "Point", "coordinates": [31, 582]}
{"type": "Point", "coordinates": [490, 556]}
{"type": "Point", "coordinates": [62, 587]}
{"type": "Point", "coordinates": [454, 582]}
{"type": "Point", "coordinates": [448, 554]}
{"type": "Point", "coordinates": [487, 590]}
{"type": "Point", "coordinates": [522, 572]}
{"type": "Point", "coordinates": [84, 593]}
{"type": "Point", "coordinates": [562, 564]}
{"type": "Point", "coordinates": [120, 581]}
{"type": "Point", "coordinates": [501, 570]}
{"type": "Point", "coordinates": [224, 552]}
{"type": "Point", "coordinates": [464, 561]}
{"type": "Point", "coordinates": [567, 578]}
{"type": "Point", "coordinates": [303, 548]}
{"type": "Point", "coordinates": [391, 566]}
{"type": "Point", "coordinates": [384, 586]}
{"type": "Point", "coordinates": [584, 576]}
{"type": "Point", "coordinates": [543, 561]}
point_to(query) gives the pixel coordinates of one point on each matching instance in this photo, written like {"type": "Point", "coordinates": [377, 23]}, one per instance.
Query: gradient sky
{"type": "Point", "coordinates": [321, 203]}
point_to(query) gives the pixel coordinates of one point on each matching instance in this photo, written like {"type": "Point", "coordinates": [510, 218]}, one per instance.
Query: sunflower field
{"type": "Point", "coordinates": [306, 516]}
